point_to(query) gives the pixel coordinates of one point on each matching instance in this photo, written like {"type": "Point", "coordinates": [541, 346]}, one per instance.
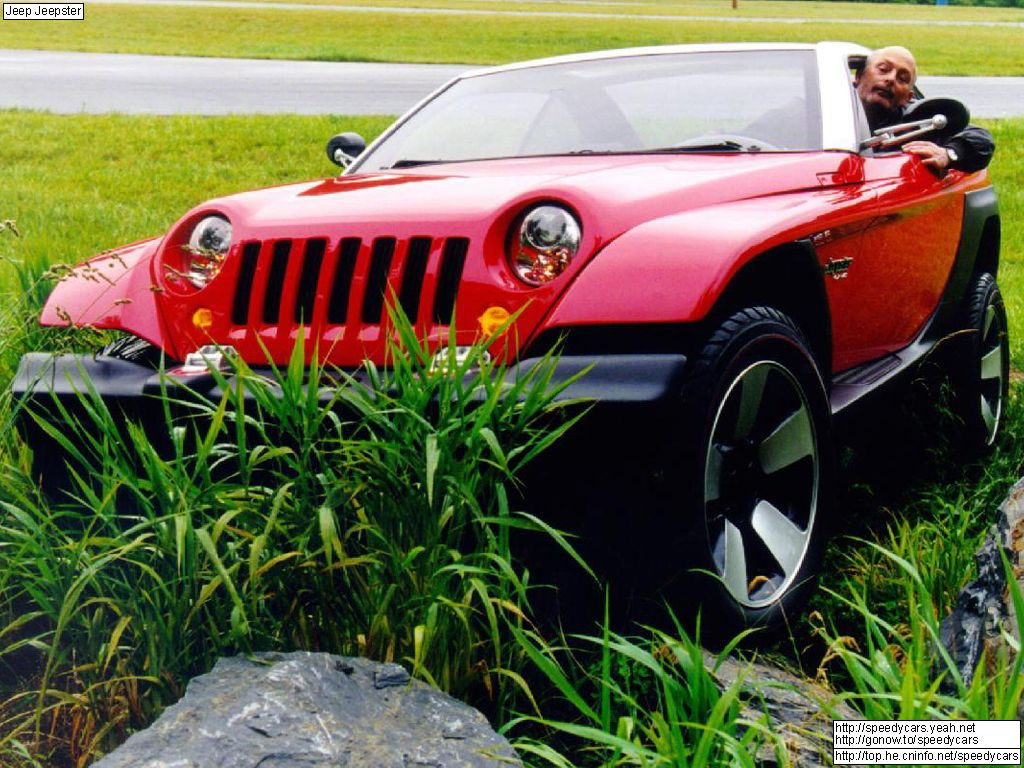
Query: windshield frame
{"type": "Point", "coordinates": [835, 112]}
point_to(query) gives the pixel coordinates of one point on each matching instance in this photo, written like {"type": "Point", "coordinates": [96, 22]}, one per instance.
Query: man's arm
{"type": "Point", "coordinates": [972, 147]}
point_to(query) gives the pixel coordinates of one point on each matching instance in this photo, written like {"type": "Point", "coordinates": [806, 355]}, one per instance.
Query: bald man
{"type": "Point", "coordinates": [886, 85]}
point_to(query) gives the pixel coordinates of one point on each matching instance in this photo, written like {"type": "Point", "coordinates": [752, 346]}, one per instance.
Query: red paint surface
{"type": "Point", "coordinates": [662, 237]}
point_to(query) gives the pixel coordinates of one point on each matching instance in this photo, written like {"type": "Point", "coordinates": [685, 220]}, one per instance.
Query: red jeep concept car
{"type": "Point", "coordinates": [710, 229]}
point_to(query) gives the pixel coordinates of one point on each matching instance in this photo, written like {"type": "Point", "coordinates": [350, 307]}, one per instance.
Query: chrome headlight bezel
{"type": "Point", "coordinates": [545, 243]}
{"type": "Point", "coordinates": [207, 247]}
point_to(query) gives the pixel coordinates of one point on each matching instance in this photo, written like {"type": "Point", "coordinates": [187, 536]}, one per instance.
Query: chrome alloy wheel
{"type": "Point", "coordinates": [992, 353]}
{"type": "Point", "coordinates": [761, 479]}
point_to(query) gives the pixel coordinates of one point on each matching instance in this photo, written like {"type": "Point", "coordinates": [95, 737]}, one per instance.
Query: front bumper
{"type": "Point", "coordinates": [614, 380]}
{"type": "Point", "coordinates": [55, 394]}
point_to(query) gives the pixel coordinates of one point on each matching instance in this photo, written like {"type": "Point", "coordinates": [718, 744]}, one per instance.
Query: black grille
{"type": "Point", "coordinates": [376, 282]}
{"type": "Point", "coordinates": [275, 281]}
{"type": "Point", "coordinates": [453, 260]}
{"type": "Point", "coordinates": [348, 252]}
{"type": "Point", "coordinates": [286, 280]}
{"type": "Point", "coordinates": [308, 281]}
{"type": "Point", "coordinates": [412, 278]}
{"type": "Point", "coordinates": [243, 292]}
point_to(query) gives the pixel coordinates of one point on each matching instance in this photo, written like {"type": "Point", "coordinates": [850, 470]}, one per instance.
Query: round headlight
{"type": "Point", "coordinates": [549, 238]}
{"type": "Point", "coordinates": [207, 247]}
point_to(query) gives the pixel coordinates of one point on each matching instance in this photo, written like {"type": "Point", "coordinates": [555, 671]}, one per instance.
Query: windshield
{"type": "Point", "coordinates": [711, 101]}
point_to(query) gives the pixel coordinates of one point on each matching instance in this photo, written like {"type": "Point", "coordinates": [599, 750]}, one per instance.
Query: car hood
{"type": "Point", "coordinates": [455, 216]}
{"type": "Point", "coordinates": [610, 193]}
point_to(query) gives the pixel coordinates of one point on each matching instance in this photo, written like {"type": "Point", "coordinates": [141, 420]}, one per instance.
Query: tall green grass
{"type": "Point", "coordinates": [650, 701]}
{"type": "Point", "coordinates": [901, 671]}
{"type": "Point", "coordinates": [300, 508]}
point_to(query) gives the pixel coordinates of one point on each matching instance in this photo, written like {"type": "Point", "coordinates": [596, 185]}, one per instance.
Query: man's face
{"type": "Point", "coordinates": [887, 80]}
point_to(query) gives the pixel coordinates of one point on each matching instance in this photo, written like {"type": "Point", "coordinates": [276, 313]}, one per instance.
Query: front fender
{"type": "Point", "coordinates": [674, 269]}
{"type": "Point", "coordinates": [114, 290]}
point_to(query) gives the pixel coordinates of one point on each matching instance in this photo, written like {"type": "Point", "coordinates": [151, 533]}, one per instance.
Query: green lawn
{"type": "Point", "coordinates": [1008, 175]}
{"type": "Point", "coordinates": [487, 39]}
{"type": "Point", "coordinates": [756, 9]}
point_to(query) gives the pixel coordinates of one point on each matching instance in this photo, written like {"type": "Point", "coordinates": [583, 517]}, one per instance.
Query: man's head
{"type": "Point", "coordinates": [886, 83]}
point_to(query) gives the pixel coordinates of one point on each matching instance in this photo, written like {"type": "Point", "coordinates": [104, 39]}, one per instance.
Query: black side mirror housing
{"type": "Point", "coordinates": [343, 148]}
{"type": "Point", "coordinates": [930, 119]}
{"type": "Point", "coordinates": [956, 114]}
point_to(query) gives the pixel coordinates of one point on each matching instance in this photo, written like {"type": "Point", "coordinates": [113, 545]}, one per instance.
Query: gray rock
{"type": "Point", "coordinates": [796, 710]}
{"type": "Point", "coordinates": [983, 609]}
{"type": "Point", "coordinates": [313, 710]}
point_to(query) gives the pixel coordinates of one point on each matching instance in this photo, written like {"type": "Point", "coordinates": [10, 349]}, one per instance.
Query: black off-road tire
{"type": "Point", "coordinates": [756, 476]}
{"type": "Point", "coordinates": [982, 375]}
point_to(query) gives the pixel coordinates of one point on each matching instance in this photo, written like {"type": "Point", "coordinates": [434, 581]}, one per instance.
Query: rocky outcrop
{"type": "Point", "coordinates": [796, 710]}
{"type": "Point", "coordinates": [984, 609]}
{"type": "Point", "coordinates": [313, 710]}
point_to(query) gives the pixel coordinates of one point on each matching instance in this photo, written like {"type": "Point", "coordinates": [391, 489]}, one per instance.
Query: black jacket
{"type": "Point", "coordinates": [973, 145]}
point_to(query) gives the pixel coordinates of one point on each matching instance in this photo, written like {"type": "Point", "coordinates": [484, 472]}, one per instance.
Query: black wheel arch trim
{"type": "Point", "coordinates": [974, 254]}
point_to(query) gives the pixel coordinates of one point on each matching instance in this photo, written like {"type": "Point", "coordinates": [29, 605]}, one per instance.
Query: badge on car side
{"type": "Point", "coordinates": [838, 268]}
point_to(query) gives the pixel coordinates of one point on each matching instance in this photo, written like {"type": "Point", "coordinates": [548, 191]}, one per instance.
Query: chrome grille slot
{"type": "Point", "coordinates": [243, 288]}
{"type": "Point", "coordinates": [412, 277]}
{"type": "Point", "coordinates": [453, 259]}
{"type": "Point", "coordinates": [275, 281]}
{"type": "Point", "coordinates": [377, 279]}
{"type": "Point", "coordinates": [308, 280]}
{"type": "Point", "coordinates": [341, 286]}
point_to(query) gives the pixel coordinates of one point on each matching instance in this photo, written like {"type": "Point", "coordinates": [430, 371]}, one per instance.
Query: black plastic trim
{"type": "Point", "coordinates": [639, 379]}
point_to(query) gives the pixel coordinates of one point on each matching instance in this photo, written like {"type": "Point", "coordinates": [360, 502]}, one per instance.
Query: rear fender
{"type": "Point", "coordinates": [115, 291]}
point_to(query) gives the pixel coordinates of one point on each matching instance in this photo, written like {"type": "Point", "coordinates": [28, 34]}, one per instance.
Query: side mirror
{"type": "Point", "coordinates": [344, 148]}
{"type": "Point", "coordinates": [956, 114]}
{"type": "Point", "coordinates": [934, 119]}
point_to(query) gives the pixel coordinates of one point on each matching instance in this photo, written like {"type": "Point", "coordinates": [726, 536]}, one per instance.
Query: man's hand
{"type": "Point", "coordinates": [932, 155]}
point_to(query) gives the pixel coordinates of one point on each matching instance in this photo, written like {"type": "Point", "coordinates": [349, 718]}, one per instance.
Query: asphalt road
{"type": "Point", "coordinates": [103, 82]}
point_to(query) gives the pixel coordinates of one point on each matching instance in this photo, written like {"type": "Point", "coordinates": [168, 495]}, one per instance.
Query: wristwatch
{"type": "Point", "coordinates": [953, 156]}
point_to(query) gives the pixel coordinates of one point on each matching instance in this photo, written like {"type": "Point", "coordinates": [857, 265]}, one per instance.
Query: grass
{"type": "Point", "coordinates": [788, 9]}
{"type": "Point", "coordinates": [650, 701]}
{"type": "Point", "coordinates": [1007, 171]}
{"type": "Point", "coordinates": [371, 522]}
{"type": "Point", "coordinates": [225, 544]}
{"type": "Point", "coordinates": [356, 36]}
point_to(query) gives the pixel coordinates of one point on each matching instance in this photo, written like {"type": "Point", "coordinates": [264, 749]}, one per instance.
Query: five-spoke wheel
{"type": "Point", "coordinates": [982, 380]}
{"type": "Point", "coordinates": [762, 466]}
{"type": "Point", "coordinates": [761, 483]}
